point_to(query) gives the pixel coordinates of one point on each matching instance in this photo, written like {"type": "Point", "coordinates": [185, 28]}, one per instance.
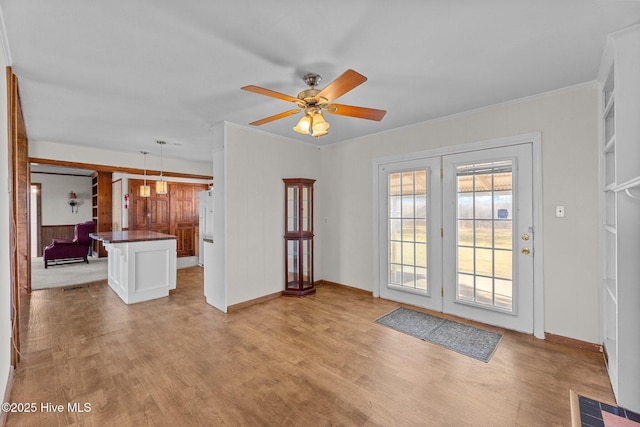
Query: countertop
{"type": "Point", "coordinates": [130, 236]}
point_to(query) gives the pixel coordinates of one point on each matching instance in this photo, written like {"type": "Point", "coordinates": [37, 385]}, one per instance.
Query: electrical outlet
{"type": "Point", "coordinates": [560, 212]}
{"type": "Point", "coordinates": [326, 220]}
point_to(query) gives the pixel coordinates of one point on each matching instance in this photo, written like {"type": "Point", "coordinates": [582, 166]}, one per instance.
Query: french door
{"type": "Point", "coordinates": [475, 257]}
{"type": "Point", "coordinates": [411, 208]}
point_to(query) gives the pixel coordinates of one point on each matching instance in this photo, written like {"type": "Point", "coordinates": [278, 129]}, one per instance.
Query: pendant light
{"type": "Point", "coordinates": [162, 185]}
{"type": "Point", "coordinates": [145, 190]}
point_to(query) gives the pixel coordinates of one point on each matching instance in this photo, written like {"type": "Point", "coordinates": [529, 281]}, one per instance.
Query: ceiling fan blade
{"type": "Point", "coordinates": [276, 117]}
{"type": "Point", "coordinates": [343, 84]}
{"type": "Point", "coordinates": [268, 92]}
{"type": "Point", "coordinates": [359, 112]}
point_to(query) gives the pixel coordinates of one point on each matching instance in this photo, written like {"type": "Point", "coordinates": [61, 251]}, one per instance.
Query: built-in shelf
{"type": "Point", "coordinates": [101, 207]}
{"type": "Point", "coordinates": [610, 290]}
{"type": "Point", "coordinates": [610, 145]}
{"type": "Point", "coordinates": [619, 226]}
{"type": "Point", "coordinates": [632, 183]}
{"type": "Point", "coordinates": [608, 108]}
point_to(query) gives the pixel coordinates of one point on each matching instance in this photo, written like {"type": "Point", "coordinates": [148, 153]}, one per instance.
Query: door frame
{"type": "Point", "coordinates": [538, 261]}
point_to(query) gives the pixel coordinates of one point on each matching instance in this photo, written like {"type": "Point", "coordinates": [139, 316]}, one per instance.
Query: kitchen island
{"type": "Point", "coordinates": [141, 264]}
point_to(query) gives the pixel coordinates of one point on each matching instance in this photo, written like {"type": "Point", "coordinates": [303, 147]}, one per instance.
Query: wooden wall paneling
{"type": "Point", "coordinates": [50, 232]}
{"type": "Point", "coordinates": [102, 207]}
{"type": "Point", "coordinates": [23, 200]}
{"type": "Point", "coordinates": [19, 234]}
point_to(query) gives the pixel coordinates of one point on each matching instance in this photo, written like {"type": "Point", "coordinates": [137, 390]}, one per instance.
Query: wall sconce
{"type": "Point", "coordinates": [73, 202]}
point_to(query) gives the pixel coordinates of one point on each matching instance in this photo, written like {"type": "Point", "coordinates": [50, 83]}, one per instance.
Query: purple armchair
{"type": "Point", "coordinates": [67, 251]}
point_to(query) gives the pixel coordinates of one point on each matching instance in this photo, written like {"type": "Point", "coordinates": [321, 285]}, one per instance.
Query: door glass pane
{"type": "Point", "coordinates": [408, 206]}
{"type": "Point", "coordinates": [485, 234]}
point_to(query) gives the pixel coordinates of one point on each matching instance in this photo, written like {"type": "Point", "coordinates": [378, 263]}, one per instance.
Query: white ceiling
{"type": "Point", "coordinates": [122, 74]}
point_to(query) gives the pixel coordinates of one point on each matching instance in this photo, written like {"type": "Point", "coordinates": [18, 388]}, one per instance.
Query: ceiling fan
{"type": "Point", "coordinates": [312, 102]}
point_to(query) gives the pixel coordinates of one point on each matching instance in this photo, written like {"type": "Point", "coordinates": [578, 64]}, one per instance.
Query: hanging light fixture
{"type": "Point", "coordinates": [320, 126]}
{"type": "Point", "coordinates": [312, 123]}
{"type": "Point", "coordinates": [162, 185]}
{"type": "Point", "coordinates": [303, 125]}
{"type": "Point", "coordinates": [145, 190]}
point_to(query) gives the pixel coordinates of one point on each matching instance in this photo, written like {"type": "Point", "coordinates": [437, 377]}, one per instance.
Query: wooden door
{"type": "Point", "coordinates": [148, 213]}
{"type": "Point", "coordinates": [184, 217]}
{"type": "Point", "coordinates": [175, 213]}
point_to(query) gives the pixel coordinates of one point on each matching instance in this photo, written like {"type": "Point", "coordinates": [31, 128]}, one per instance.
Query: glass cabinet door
{"type": "Point", "coordinates": [292, 264]}
{"type": "Point", "coordinates": [307, 217]}
{"type": "Point", "coordinates": [292, 208]}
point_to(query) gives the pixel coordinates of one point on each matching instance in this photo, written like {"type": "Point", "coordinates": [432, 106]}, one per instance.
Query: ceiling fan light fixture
{"type": "Point", "coordinates": [320, 126]}
{"type": "Point", "coordinates": [303, 125]}
{"type": "Point", "coordinates": [313, 101]}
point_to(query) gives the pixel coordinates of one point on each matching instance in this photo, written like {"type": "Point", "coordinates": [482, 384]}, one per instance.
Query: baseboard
{"type": "Point", "coordinates": [245, 304]}
{"type": "Point", "coordinates": [351, 288]}
{"type": "Point", "coordinates": [7, 396]}
{"type": "Point", "coordinates": [571, 342]}
{"type": "Point", "coordinates": [317, 283]}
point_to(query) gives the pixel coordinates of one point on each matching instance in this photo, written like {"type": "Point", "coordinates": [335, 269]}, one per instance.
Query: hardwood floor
{"type": "Point", "coordinates": [320, 360]}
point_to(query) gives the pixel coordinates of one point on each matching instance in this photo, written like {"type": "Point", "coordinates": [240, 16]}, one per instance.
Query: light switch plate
{"type": "Point", "coordinates": [560, 212]}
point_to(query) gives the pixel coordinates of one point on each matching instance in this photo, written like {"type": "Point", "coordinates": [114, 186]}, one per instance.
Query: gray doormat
{"type": "Point", "coordinates": [464, 339]}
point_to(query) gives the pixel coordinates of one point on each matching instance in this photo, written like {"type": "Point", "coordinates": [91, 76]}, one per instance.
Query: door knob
{"type": "Point", "coordinates": [526, 251]}
{"type": "Point", "coordinates": [525, 237]}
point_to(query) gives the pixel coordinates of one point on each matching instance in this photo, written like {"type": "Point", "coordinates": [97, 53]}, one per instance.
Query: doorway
{"type": "Point", "coordinates": [455, 233]}
{"type": "Point", "coordinates": [36, 219]}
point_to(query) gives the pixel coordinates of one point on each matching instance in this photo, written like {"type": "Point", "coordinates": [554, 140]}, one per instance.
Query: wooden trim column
{"type": "Point", "coordinates": [20, 231]}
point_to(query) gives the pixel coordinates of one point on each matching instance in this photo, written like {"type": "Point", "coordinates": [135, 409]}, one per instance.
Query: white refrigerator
{"type": "Point", "coordinates": [205, 212]}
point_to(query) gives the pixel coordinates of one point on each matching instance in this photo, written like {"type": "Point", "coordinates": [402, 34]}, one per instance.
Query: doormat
{"type": "Point", "coordinates": [464, 339]}
{"type": "Point", "coordinates": [589, 412]}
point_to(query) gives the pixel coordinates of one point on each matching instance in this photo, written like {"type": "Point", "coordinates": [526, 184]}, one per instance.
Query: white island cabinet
{"type": "Point", "coordinates": [141, 265]}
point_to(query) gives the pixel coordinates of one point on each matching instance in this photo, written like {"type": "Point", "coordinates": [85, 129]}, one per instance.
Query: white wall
{"type": "Point", "coordinates": [79, 154]}
{"type": "Point", "coordinates": [55, 194]}
{"type": "Point", "coordinates": [256, 163]}
{"type": "Point", "coordinates": [5, 277]}
{"type": "Point", "coordinates": [567, 120]}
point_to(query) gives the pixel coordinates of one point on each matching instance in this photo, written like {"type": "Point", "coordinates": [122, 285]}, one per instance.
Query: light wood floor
{"type": "Point", "coordinates": [320, 360]}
